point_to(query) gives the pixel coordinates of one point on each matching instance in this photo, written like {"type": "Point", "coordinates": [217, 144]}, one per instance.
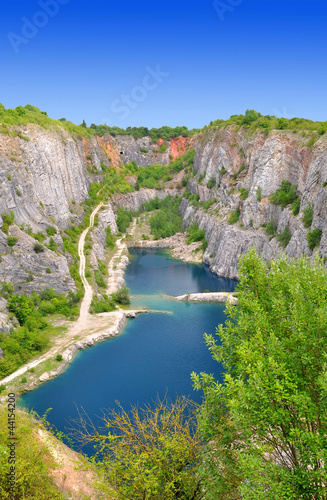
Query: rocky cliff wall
{"type": "Point", "coordinates": [265, 162]}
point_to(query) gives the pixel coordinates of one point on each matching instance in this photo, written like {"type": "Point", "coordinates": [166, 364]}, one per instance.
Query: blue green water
{"type": "Point", "coordinates": [156, 352]}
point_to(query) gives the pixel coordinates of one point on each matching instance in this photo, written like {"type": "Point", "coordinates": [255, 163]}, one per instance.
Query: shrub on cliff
{"type": "Point", "coordinates": [234, 216]}
{"type": "Point", "coordinates": [285, 237]}
{"type": "Point", "coordinates": [38, 248]}
{"type": "Point", "coordinates": [285, 195]}
{"type": "Point", "coordinates": [308, 216]}
{"type": "Point", "coordinates": [313, 238]}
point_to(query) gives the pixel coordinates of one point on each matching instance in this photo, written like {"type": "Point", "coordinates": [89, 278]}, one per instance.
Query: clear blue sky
{"type": "Point", "coordinates": [93, 60]}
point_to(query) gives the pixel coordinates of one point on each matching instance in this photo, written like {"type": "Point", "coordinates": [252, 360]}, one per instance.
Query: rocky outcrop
{"type": "Point", "coordinates": [221, 297]}
{"type": "Point", "coordinates": [106, 218]}
{"type": "Point", "coordinates": [45, 175]}
{"type": "Point", "coordinates": [134, 201]}
{"type": "Point", "coordinates": [232, 161]}
{"type": "Point", "coordinates": [143, 151]}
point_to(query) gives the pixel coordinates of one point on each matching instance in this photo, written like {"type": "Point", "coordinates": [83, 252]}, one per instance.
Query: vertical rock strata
{"type": "Point", "coordinates": [45, 175]}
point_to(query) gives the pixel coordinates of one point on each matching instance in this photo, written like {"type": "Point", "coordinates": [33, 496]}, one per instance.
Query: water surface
{"type": "Point", "coordinates": [155, 353]}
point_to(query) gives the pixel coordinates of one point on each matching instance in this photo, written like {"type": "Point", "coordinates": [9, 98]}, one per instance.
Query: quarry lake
{"type": "Point", "coordinates": [155, 352]}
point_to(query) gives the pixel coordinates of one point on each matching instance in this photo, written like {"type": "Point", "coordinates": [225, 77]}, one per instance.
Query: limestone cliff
{"type": "Point", "coordinates": [229, 161]}
{"type": "Point", "coordinates": [45, 175]}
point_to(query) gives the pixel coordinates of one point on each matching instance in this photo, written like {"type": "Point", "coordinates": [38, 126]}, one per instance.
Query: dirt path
{"type": "Point", "coordinates": [88, 328]}
{"type": "Point", "coordinates": [87, 299]}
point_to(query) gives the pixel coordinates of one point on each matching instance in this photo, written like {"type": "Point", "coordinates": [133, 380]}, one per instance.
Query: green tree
{"type": "Point", "coordinates": [149, 453]}
{"type": "Point", "coordinates": [266, 424]}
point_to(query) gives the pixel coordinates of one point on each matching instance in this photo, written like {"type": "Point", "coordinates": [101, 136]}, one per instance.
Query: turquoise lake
{"type": "Point", "coordinates": [155, 352]}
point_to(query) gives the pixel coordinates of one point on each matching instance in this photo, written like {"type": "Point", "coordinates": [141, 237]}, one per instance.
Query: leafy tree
{"type": "Point", "coordinates": [167, 221]}
{"type": "Point", "coordinates": [149, 453]}
{"type": "Point", "coordinates": [266, 425]}
{"type": "Point", "coordinates": [122, 296]}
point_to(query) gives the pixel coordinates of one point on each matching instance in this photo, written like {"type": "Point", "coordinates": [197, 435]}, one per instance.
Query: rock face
{"type": "Point", "coordinates": [143, 151]}
{"type": "Point", "coordinates": [231, 161]}
{"type": "Point", "coordinates": [44, 176]}
{"type": "Point", "coordinates": [134, 201]}
{"type": "Point", "coordinates": [106, 218]}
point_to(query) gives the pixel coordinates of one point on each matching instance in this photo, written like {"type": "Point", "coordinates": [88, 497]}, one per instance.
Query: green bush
{"type": "Point", "coordinates": [196, 234]}
{"type": "Point", "coordinates": [38, 248]}
{"type": "Point", "coordinates": [110, 238]}
{"type": "Point", "coordinates": [259, 193]}
{"type": "Point", "coordinates": [40, 236]}
{"type": "Point", "coordinates": [12, 240]}
{"type": "Point", "coordinates": [285, 195]}
{"type": "Point", "coordinates": [143, 150]}
{"type": "Point", "coordinates": [122, 296]}
{"type": "Point", "coordinates": [314, 238]}
{"type": "Point", "coordinates": [271, 228]}
{"type": "Point", "coordinates": [285, 237]}
{"type": "Point", "coordinates": [50, 230]}
{"type": "Point", "coordinates": [308, 216]}
{"type": "Point", "coordinates": [99, 279]}
{"type": "Point", "coordinates": [244, 193]}
{"type": "Point", "coordinates": [52, 245]}
{"type": "Point", "coordinates": [59, 357]}
{"type": "Point", "coordinates": [106, 304]}
{"type": "Point", "coordinates": [167, 221]}
{"type": "Point", "coordinates": [155, 176]}
{"type": "Point", "coordinates": [211, 183]}
{"type": "Point", "coordinates": [296, 206]}
{"type": "Point", "coordinates": [7, 221]}
{"type": "Point", "coordinates": [124, 218]}
{"type": "Point", "coordinates": [234, 216]}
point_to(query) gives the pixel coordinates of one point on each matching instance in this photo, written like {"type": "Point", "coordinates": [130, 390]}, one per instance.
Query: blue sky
{"type": "Point", "coordinates": [171, 63]}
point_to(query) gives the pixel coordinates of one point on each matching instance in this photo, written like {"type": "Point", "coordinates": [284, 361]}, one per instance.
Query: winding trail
{"type": "Point", "coordinates": [87, 299]}
{"type": "Point", "coordinates": [88, 328]}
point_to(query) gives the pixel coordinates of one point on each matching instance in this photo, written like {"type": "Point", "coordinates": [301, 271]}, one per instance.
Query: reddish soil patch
{"type": "Point", "coordinates": [178, 146]}
{"type": "Point", "coordinates": [110, 150]}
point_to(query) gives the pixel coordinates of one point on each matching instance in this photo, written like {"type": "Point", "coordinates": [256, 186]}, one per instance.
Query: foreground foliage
{"type": "Point", "coordinates": [147, 453]}
{"type": "Point", "coordinates": [266, 424]}
{"type": "Point", "coordinates": [33, 335]}
{"type": "Point", "coordinates": [34, 463]}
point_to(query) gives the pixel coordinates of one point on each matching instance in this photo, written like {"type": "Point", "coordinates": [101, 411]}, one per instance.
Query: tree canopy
{"type": "Point", "coordinates": [147, 453]}
{"type": "Point", "coordinates": [266, 425]}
